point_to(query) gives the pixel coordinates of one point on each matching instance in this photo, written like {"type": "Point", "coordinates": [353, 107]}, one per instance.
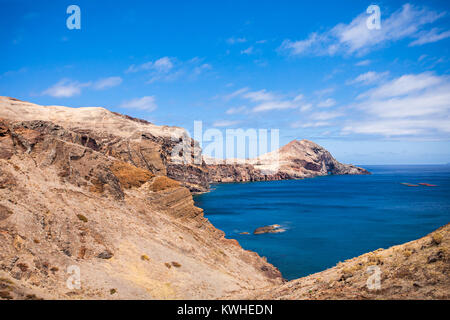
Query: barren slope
{"type": "Point", "coordinates": [419, 269]}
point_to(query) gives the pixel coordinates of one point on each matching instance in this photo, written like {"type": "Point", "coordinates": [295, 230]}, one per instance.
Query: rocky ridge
{"type": "Point", "coordinates": [296, 160]}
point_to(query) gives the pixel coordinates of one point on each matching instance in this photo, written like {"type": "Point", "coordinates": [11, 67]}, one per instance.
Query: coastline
{"type": "Point", "coordinates": [116, 211]}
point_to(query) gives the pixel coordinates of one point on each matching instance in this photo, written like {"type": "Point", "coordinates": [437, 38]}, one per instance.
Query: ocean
{"type": "Point", "coordinates": [332, 218]}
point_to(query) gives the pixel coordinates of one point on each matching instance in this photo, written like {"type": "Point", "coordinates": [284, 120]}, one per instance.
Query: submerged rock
{"type": "Point", "coordinates": [275, 228]}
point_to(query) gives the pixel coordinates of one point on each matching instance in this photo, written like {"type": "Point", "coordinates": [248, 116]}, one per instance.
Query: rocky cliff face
{"type": "Point", "coordinates": [98, 199]}
{"type": "Point", "coordinates": [131, 140]}
{"type": "Point", "coordinates": [296, 160]}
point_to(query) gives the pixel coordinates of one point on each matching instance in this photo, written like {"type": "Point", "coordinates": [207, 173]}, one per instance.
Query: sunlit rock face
{"type": "Point", "coordinates": [296, 160]}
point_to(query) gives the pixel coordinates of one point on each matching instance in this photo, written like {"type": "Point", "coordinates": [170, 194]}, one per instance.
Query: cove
{"type": "Point", "coordinates": [332, 218]}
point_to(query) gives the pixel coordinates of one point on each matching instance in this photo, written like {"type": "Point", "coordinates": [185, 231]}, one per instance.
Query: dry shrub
{"type": "Point", "coordinates": [97, 186]}
{"type": "Point", "coordinates": [407, 253]}
{"type": "Point", "coordinates": [163, 183]}
{"type": "Point", "coordinates": [129, 175]}
{"type": "Point", "coordinates": [374, 259]}
{"type": "Point", "coordinates": [437, 238]}
{"type": "Point", "coordinates": [82, 218]}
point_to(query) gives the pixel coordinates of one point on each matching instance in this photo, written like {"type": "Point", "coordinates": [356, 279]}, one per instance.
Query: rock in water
{"type": "Point", "coordinates": [275, 228]}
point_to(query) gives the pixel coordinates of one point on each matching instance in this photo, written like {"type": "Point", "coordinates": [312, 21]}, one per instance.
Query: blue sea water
{"type": "Point", "coordinates": [333, 218]}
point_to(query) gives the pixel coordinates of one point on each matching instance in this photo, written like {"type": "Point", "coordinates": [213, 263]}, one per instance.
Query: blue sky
{"type": "Point", "coordinates": [309, 68]}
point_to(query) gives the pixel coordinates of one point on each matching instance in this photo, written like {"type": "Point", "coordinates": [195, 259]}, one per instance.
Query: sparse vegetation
{"type": "Point", "coordinates": [163, 183]}
{"type": "Point", "coordinates": [82, 218]}
{"type": "Point", "coordinates": [351, 269]}
{"type": "Point", "coordinates": [130, 176]}
{"type": "Point", "coordinates": [374, 259]}
{"type": "Point", "coordinates": [437, 238]}
{"type": "Point", "coordinates": [113, 291]}
{"type": "Point", "coordinates": [145, 257]}
{"type": "Point", "coordinates": [168, 265]}
{"type": "Point", "coordinates": [176, 264]}
{"type": "Point", "coordinates": [407, 253]}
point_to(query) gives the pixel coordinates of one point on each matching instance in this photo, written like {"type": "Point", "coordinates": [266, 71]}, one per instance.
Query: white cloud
{"type": "Point", "coordinates": [410, 105]}
{"type": "Point", "coordinates": [164, 64]}
{"type": "Point", "coordinates": [234, 40]}
{"type": "Point", "coordinates": [264, 100]}
{"type": "Point", "coordinates": [327, 103]}
{"type": "Point", "coordinates": [423, 56]}
{"type": "Point", "coordinates": [356, 38]}
{"type": "Point", "coordinates": [399, 127]}
{"type": "Point", "coordinates": [235, 94]}
{"type": "Point", "coordinates": [305, 107]}
{"type": "Point", "coordinates": [369, 77]}
{"type": "Point", "coordinates": [363, 63]}
{"type": "Point", "coordinates": [145, 103]}
{"type": "Point", "coordinates": [430, 36]}
{"type": "Point", "coordinates": [317, 124]}
{"type": "Point", "coordinates": [202, 68]}
{"type": "Point", "coordinates": [403, 85]}
{"type": "Point", "coordinates": [299, 47]}
{"type": "Point", "coordinates": [247, 51]}
{"type": "Point", "coordinates": [169, 69]}
{"type": "Point", "coordinates": [275, 105]}
{"type": "Point", "coordinates": [236, 110]}
{"type": "Point", "coordinates": [65, 88]}
{"type": "Point", "coordinates": [322, 116]}
{"type": "Point", "coordinates": [107, 83]}
{"type": "Point", "coordinates": [257, 96]}
{"type": "Point", "coordinates": [324, 92]}
{"type": "Point", "coordinates": [225, 123]}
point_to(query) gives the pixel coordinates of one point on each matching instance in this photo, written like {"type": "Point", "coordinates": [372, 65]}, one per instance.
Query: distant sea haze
{"type": "Point", "coordinates": [332, 218]}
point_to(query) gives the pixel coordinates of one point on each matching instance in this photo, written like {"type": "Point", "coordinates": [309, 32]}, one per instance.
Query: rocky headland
{"type": "Point", "coordinates": [92, 190]}
{"type": "Point", "coordinates": [296, 160]}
